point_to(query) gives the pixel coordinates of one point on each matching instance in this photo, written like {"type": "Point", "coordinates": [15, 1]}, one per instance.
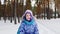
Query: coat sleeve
{"type": "Point", "coordinates": [36, 29]}
{"type": "Point", "coordinates": [21, 29]}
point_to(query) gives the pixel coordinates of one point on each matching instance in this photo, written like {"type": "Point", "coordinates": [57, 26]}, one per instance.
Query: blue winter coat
{"type": "Point", "coordinates": [28, 27]}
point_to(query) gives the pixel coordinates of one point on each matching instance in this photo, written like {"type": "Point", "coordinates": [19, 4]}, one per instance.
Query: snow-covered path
{"type": "Point", "coordinates": [45, 26]}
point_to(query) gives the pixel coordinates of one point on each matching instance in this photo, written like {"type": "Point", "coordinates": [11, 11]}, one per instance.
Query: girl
{"type": "Point", "coordinates": [28, 25]}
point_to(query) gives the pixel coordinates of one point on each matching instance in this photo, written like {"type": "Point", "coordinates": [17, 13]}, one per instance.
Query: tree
{"type": "Point", "coordinates": [57, 6]}
{"type": "Point", "coordinates": [38, 8]}
{"type": "Point", "coordinates": [28, 4]}
{"type": "Point", "coordinates": [0, 9]}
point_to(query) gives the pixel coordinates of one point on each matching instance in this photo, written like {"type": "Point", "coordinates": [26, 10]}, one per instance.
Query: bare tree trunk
{"type": "Point", "coordinates": [55, 9]}
{"type": "Point", "coordinates": [0, 9]}
{"type": "Point", "coordinates": [38, 8]}
{"type": "Point", "coordinates": [4, 12]}
{"type": "Point", "coordinates": [15, 12]}
{"type": "Point", "coordinates": [48, 12]}
{"type": "Point", "coordinates": [11, 12]}
{"type": "Point", "coordinates": [18, 12]}
{"type": "Point", "coordinates": [44, 9]}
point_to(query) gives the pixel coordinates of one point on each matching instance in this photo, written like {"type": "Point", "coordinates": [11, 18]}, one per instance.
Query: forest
{"type": "Point", "coordinates": [41, 8]}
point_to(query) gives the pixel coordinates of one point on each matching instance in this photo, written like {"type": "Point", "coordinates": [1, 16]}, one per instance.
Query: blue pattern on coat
{"type": "Point", "coordinates": [28, 29]}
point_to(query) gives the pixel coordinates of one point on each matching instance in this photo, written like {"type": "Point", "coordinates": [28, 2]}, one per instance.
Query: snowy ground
{"type": "Point", "coordinates": [49, 26]}
{"type": "Point", "coordinates": [45, 26]}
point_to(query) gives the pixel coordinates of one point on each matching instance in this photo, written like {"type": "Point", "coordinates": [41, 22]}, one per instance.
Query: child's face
{"type": "Point", "coordinates": [28, 16]}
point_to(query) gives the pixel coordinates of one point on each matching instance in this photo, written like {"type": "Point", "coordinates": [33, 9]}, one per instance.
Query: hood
{"type": "Point", "coordinates": [24, 20]}
{"type": "Point", "coordinates": [27, 11]}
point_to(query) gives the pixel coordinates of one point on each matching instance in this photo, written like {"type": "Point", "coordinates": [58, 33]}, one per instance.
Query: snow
{"type": "Point", "coordinates": [49, 26]}
{"type": "Point", "coordinates": [45, 26]}
{"type": "Point", "coordinates": [8, 28]}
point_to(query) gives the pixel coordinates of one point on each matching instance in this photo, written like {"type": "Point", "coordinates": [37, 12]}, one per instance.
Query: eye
{"type": "Point", "coordinates": [27, 14]}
